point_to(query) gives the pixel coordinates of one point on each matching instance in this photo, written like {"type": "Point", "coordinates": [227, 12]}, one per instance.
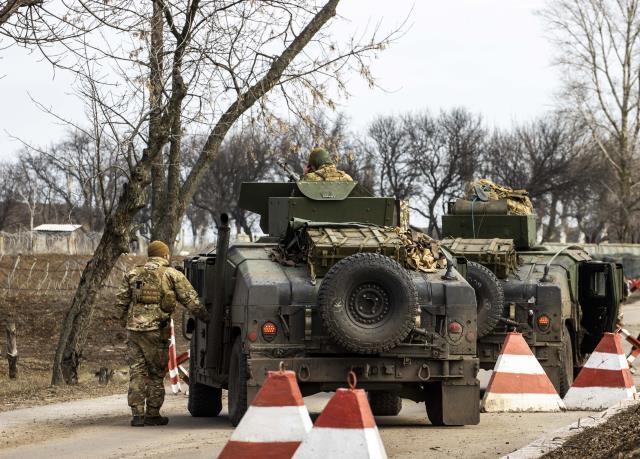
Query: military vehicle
{"type": "Point", "coordinates": [561, 300]}
{"type": "Point", "coordinates": [330, 290]}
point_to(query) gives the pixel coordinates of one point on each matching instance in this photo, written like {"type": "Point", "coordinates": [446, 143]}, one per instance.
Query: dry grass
{"type": "Point", "coordinates": [33, 388]}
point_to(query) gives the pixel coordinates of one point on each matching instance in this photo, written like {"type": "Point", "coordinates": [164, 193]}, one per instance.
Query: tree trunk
{"type": "Point", "coordinates": [115, 241]}
{"type": "Point", "coordinates": [550, 230]}
{"type": "Point", "coordinates": [118, 225]}
{"type": "Point", "coordinates": [12, 349]}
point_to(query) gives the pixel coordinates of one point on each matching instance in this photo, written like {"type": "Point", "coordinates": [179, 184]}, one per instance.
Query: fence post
{"type": "Point", "coordinates": [12, 349]}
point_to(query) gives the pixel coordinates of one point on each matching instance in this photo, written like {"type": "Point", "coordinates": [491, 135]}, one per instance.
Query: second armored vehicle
{"type": "Point", "coordinates": [561, 300]}
{"type": "Point", "coordinates": [336, 286]}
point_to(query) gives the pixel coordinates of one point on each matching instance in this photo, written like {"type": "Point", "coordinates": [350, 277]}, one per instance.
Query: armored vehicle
{"type": "Point", "coordinates": [334, 287]}
{"type": "Point", "coordinates": [561, 300]}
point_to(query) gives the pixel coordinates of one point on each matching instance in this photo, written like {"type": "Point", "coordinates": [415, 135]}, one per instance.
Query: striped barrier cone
{"type": "Point", "coordinates": [518, 382]}
{"type": "Point", "coordinates": [345, 429]}
{"type": "Point", "coordinates": [635, 345]}
{"type": "Point", "coordinates": [173, 362]}
{"type": "Point", "coordinates": [604, 380]}
{"type": "Point", "coordinates": [275, 423]}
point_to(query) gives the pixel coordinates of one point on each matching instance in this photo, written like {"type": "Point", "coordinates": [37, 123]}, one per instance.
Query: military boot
{"type": "Point", "coordinates": [156, 420]}
{"type": "Point", "coordinates": [137, 421]}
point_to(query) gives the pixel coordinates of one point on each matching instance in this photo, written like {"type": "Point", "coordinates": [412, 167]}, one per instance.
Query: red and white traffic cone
{"type": "Point", "coordinates": [518, 382]}
{"type": "Point", "coordinates": [635, 346]}
{"type": "Point", "coordinates": [174, 376]}
{"type": "Point", "coordinates": [605, 378]}
{"type": "Point", "coordinates": [345, 429]}
{"type": "Point", "coordinates": [275, 423]}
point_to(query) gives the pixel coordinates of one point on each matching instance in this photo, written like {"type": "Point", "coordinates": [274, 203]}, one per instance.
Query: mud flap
{"type": "Point", "coordinates": [449, 405]}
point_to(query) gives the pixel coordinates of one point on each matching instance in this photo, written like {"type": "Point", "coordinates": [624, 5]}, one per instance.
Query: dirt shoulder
{"type": "Point", "coordinates": [618, 437]}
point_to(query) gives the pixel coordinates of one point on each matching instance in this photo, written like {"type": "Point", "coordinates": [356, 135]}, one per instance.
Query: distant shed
{"type": "Point", "coordinates": [57, 238]}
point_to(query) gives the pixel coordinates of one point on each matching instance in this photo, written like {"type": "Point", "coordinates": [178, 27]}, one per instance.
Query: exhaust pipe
{"type": "Point", "coordinates": [216, 324]}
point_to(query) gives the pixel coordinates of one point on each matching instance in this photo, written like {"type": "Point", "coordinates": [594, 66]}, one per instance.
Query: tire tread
{"type": "Point", "coordinates": [366, 259]}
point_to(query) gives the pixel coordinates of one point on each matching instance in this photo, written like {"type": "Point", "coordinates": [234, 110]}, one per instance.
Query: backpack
{"type": "Point", "coordinates": [147, 285]}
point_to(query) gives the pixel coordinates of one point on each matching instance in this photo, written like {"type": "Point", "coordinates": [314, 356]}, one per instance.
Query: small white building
{"type": "Point", "coordinates": [57, 238]}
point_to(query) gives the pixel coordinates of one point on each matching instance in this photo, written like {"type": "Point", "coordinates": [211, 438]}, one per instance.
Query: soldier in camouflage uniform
{"type": "Point", "coordinates": [145, 301]}
{"type": "Point", "coordinates": [320, 167]}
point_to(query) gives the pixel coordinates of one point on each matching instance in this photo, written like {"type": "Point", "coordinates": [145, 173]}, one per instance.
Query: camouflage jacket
{"type": "Point", "coordinates": [329, 173]}
{"type": "Point", "coordinates": [147, 316]}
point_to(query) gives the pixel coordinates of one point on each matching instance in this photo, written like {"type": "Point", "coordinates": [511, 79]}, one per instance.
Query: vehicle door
{"type": "Point", "coordinates": [599, 297]}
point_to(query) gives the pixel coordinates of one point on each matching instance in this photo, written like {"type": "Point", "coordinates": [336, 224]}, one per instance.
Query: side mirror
{"type": "Point", "coordinates": [188, 325]}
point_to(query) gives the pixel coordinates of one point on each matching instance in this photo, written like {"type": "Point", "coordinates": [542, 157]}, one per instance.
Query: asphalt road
{"type": "Point", "coordinates": [99, 428]}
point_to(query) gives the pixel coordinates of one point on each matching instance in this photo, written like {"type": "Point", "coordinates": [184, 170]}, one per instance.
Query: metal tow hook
{"type": "Point", "coordinates": [424, 374]}
{"type": "Point", "coordinates": [304, 373]}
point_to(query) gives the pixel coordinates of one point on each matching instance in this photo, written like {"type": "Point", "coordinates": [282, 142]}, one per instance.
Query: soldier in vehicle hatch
{"type": "Point", "coordinates": [145, 302]}
{"type": "Point", "coordinates": [320, 167]}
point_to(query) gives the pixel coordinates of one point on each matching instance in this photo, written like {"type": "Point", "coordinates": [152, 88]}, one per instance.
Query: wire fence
{"type": "Point", "coordinates": [52, 275]}
{"type": "Point", "coordinates": [36, 242]}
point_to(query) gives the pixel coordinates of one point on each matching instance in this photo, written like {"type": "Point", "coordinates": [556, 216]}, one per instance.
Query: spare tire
{"type": "Point", "coordinates": [368, 303]}
{"type": "Point", "coordinates": [489, 297]}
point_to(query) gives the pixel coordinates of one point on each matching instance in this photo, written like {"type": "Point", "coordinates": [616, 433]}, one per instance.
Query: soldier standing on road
{"type": "Point", "coordinates": [320, 167]}
{"type": "Point", "coordinates": [146, 300]}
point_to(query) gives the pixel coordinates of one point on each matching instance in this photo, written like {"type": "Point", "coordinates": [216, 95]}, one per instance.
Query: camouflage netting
{"type": "Point", "coordinates": [423, 252]}
{"type": "Point", "coordinates": [321, 246]}
{"type": "Point", "coordinates": [517, 200]}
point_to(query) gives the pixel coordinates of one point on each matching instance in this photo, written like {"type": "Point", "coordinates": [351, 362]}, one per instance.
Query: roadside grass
{"type": "Point", "coordinates": [32, 387]}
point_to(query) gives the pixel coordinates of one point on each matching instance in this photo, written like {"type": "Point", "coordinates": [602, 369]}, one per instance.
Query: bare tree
{"type": "Point", "coordinates": [548, 157]}
{"type": "Point", "coordinates": [158, 70]}
{"type": "Point", "coordinates": [445, 151]}
{"type": "Point", "coordinates": [317, 128]}
{"type": "Point", "coordinates": [598, 52]}
{"type": "Point", "coordinates": [301, 83]}
{"type": "Point", "coordinates": [83, 171]}
{"type": "Point", "coordinates": [11, 8]}
{"type": "Point", "coordinates": [245, 156]}
{"type": "Point", "coordinates": [396, 171]}
{"type": "Point", "coordinates": [30, 192]}
{"type": "Point", "coordinates": [8, 195]}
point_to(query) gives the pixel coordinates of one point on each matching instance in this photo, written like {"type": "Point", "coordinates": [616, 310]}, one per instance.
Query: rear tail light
{"type": "Point", "coordinates": [269, 331]}
{"type": "Point", "coordinates": [455, 330]}
{"type": "Point", "coordinates": [544, 322]}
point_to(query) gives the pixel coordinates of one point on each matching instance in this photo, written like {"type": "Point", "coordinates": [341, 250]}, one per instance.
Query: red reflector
{"type": "Point", "coordinates": [269, 331]}
{"type": "Point", "coordinates": [252, 336]}
{"type": "Point", "coordinates": [455, 327]}
{"type": "Point", "coordinates": [544, 321]}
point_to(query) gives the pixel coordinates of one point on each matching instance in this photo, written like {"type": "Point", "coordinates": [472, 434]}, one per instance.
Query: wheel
{"type": "Point", "coordinates": [237, 383]}
{"type": "Point", "coordinates": [368, 303]}
{"type": "Point", "coordinates": [566, 363]}
{"type": "Point", "coordinates": [449, 405]}
{"type": "Point", "coordinates": [384, 403]}
{"type": "Point", "coordinates": [489, 297]}
{"type": "Point", "coordinates": [204, 401]}
{"type": "Point", "coordinates": [433, 403]}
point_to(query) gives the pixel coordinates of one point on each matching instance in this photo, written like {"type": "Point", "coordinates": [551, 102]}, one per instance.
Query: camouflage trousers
{"type": "Point", "coordinates": [147, 356]}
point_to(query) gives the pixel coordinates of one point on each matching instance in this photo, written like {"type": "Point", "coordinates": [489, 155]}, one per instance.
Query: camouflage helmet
{"type": "Point", "coordinates": [319, 157]}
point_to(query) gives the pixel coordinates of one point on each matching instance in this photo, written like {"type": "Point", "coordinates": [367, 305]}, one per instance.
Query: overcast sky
{"type": "Point", "coordinates": [490, 56]}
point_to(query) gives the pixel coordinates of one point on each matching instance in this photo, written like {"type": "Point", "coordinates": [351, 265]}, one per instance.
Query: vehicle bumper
{"type": "Point", "coordinates": [318, 374]}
